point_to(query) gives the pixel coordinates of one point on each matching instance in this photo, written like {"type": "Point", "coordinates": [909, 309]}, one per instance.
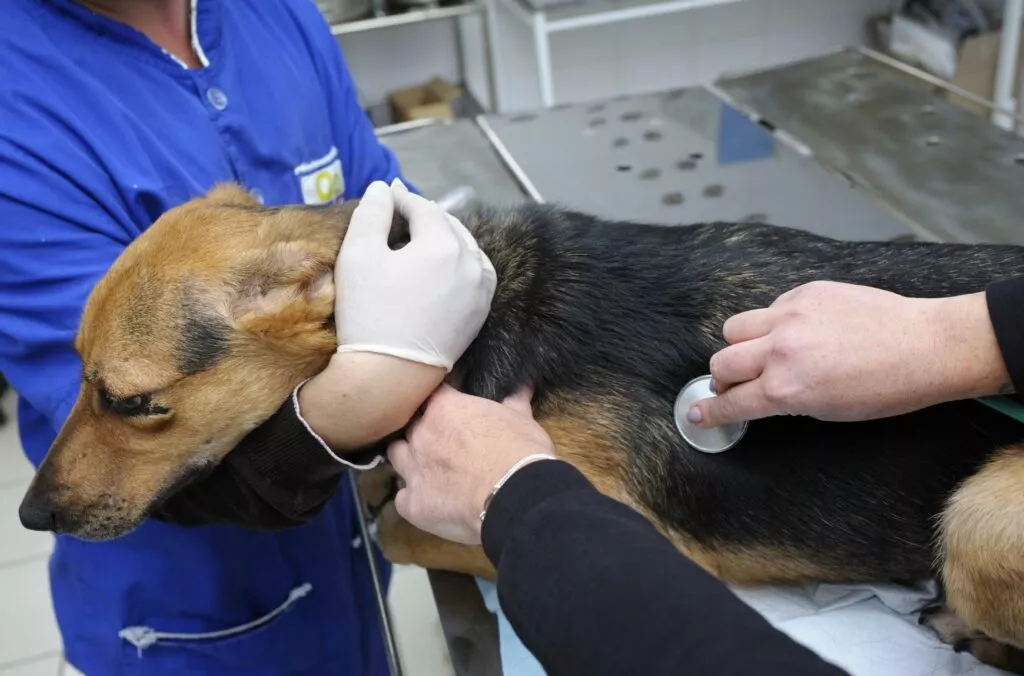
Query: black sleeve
{"type": "Point", "coordinates": [592, 588]}
{"type": "Point", "coordinates": [279, 476]}
{"type": "Point", "coordinates": [1005, 300]}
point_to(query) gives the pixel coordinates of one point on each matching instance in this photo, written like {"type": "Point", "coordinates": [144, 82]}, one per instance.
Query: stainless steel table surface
{"type": "Point", "coordinates": [683, 157]}
{"type": "Point", "coordinates": [945, 169]}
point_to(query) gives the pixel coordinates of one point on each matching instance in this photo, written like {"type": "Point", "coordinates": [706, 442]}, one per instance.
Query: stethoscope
{"type": "Point", "coordinates": [704, 439]}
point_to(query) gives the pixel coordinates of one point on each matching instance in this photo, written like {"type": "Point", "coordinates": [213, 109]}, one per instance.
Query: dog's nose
{"type": "Point", "coordinates": [38, 514]}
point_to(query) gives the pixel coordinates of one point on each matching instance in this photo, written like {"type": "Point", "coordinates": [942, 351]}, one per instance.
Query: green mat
{"type": "Point", "coordinates": [1006, 405]}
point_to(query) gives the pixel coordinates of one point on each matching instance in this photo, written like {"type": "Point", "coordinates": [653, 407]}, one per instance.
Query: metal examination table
{"type": "Point", "coordinates": [845, 145]}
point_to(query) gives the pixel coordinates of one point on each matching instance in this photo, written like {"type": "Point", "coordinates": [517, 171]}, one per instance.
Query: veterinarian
{"type": "Point", "coordinates": [112, 113]}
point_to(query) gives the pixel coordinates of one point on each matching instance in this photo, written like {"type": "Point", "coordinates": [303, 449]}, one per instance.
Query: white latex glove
{"type": "Point", "coordinates": [425, 302]}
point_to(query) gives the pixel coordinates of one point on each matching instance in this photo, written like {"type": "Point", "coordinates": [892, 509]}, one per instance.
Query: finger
{"type": "Point", "coordinates": [400, 457]}
{"type": "Point", "coordinates": [745, 401]}
{"type": "Point", "coordinates": [738, 363]}
{"type": "Point", "coordinates": [462, 232]}
{"type": "Point", "coordinates": [402, 504]}
{"type": "Point", "coordinates": [424, 217]}
{"type": "Point", "coordinates": [747, 325]}
{"type": "Point", "coordinates": [521, 400]}
{"type": "Point", "coordinates": [371, 221]}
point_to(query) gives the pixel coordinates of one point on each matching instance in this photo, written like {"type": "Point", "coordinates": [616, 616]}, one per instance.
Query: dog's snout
{"type": "Point", "coordinates": [38, 512]}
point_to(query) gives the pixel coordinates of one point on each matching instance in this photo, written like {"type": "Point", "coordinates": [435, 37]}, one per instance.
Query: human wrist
{"type": "Point", "coordinates": [965, 348]}
{"type": "Point", "coordinates": [362, 397]}
{"type": "Point", "coordinates": [500, 483]}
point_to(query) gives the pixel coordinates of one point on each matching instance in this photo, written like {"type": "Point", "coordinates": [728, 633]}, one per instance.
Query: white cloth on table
{"type": "Point", "coordinates": [868, 630]}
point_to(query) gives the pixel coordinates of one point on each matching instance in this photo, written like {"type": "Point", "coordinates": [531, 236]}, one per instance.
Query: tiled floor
{"type": "Point", "coordinates": [30, 644]}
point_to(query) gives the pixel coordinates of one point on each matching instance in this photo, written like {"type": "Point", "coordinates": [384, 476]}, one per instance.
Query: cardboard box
{"type": "Point", "coordinates": [976, 70]}
{"type": "Point", "coordinates": [976, 62]}
{"type": "Point", "coordinates": [431, 100]}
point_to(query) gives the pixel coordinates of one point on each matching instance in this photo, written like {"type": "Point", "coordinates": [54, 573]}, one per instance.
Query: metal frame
{"type": "Point", "coordinates": [544, 22]}
{"type": "Point", "coordinates": [1004, 96]}
{"type": "Point", "coordinates": [488, 30]}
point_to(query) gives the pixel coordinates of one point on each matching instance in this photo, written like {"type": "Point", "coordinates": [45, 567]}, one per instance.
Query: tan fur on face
{"type": "Point", "coordinates": [214, 271]}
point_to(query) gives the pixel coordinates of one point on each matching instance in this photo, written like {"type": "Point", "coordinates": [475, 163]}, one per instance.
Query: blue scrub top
{"type": "Point", "coordinates": [101, 131]}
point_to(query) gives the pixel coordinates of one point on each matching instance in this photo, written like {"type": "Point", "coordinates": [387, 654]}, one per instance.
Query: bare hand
{"type": "Point", "coordinates": [842, 352]}
{"type": "Point", "coordinates": [455, 454]}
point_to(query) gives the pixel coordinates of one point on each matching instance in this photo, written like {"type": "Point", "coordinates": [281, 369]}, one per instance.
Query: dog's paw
{"type": "Point", "coordinates": [953, 631]}
{"type": "Point", "coordinates": [947, 624]}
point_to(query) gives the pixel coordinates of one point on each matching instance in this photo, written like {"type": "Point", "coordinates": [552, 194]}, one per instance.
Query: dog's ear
{"type": "Point", "coordinates": [285, 289]}
{"type": "Point", "coordinates": [232, 194]}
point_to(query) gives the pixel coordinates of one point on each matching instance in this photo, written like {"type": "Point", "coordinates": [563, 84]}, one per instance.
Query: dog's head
{"type": "Point", "coordinates": [195, 336]}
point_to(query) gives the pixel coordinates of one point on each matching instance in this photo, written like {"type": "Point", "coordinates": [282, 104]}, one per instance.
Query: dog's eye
{"type": "Point", "coordinates": [131, 406]}
{"type": "Point", "coordinates": [140, 404]}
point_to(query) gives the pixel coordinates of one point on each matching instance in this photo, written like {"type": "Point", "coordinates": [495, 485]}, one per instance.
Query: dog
{"type": "Point", "coordinates": [204, 325]}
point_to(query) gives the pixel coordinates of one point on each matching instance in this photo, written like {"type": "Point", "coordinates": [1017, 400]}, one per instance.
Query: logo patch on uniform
{"type": "Point", "coordinates": [321, 180]}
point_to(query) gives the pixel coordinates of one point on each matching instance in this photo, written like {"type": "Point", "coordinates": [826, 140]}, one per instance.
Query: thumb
{"type": "Point", "coordinates": [521, 401]}
{"type": "Point", "coordinates": [742, 402]}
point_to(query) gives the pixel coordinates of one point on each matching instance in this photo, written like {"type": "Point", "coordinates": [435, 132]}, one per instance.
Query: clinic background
{"type": "Point", "coordinates": [653, 54]}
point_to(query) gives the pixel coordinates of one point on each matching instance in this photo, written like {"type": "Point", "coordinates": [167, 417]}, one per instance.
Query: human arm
{"type": "Point", "coordinates": [591, 587]}
{"type": "Point", "coordinates": [843, 352]}
{"type": "Point", "coordinates": [403, 319]}
{"type": "Point", "coordinates": [588, 584]}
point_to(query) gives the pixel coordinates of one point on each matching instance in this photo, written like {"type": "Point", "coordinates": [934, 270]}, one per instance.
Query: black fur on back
{"type": "Point", "coordinates": [586, 308]}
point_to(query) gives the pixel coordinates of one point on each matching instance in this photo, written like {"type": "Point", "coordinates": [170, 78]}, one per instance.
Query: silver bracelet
{"type": "Point", "coordinates": [508, 475]}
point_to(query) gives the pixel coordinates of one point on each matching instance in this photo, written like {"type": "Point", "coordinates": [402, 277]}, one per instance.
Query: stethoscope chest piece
{"type": "Point", "coordinates": [706, 440]}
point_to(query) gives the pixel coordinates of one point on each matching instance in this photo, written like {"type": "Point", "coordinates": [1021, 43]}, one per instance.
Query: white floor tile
{"type": "Point", "coordinates": [67, 670]}
{"type": "Point", "coordinates": [45, 666]}
{"type": "Point", "coordinates": [421, 644]}
{"type": "Point", "coordinates": [28, 628]}
{"type": "Point", "coordinates": [16, 542]}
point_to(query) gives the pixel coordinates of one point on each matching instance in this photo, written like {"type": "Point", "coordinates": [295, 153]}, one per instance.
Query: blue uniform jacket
{"type": "Point", "coordinates": [101, 132]}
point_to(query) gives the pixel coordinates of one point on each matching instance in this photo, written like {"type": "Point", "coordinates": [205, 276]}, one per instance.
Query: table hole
{"type": "Point", "coordinates": [652, 135]}
{"type": "Point", "coordinates": [525, 117]}
{"type": "Point", "coordinates": [624, 167]}
{"type": "Point", "coordinates": [714, 190]}
{"type": "Point", "coordinates": [686, 165]}
{"type": "Point", "coordinates": [632, 116]}
{"type": "Point", "coordinates": [598, 122]}
{"type": "Point", "coordinates": [620, 142]}
{"type": "Point", "coordinates": [672, 199]}
{"type": "Point", "coordinates": [650, 174]}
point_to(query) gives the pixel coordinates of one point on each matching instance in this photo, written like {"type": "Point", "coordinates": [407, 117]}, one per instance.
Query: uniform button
{"type": "Point", "coordinates": [217, 98]}
{"type": "Point", "coordinates": [258, 194]}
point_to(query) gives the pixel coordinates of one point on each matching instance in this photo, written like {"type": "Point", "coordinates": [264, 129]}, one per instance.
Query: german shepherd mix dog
{"type": "Point", "coordinates": [205, 324]}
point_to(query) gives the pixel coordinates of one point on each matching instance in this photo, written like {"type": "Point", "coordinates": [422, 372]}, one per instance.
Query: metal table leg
{"type": "Point", "coordinates": [390, 647]}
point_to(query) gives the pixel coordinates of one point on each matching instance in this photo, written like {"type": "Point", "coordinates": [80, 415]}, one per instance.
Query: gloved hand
{"type": "Point", "coordinates": [425, 302]}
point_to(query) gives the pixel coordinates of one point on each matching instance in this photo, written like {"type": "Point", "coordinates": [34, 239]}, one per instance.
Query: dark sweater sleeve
{"type": "Point", "coordinates": [1005, 300]}
{"type": "Point", "coordinates": [592, 588]}
{"type": "Point", "coordinates": [279, 476]}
